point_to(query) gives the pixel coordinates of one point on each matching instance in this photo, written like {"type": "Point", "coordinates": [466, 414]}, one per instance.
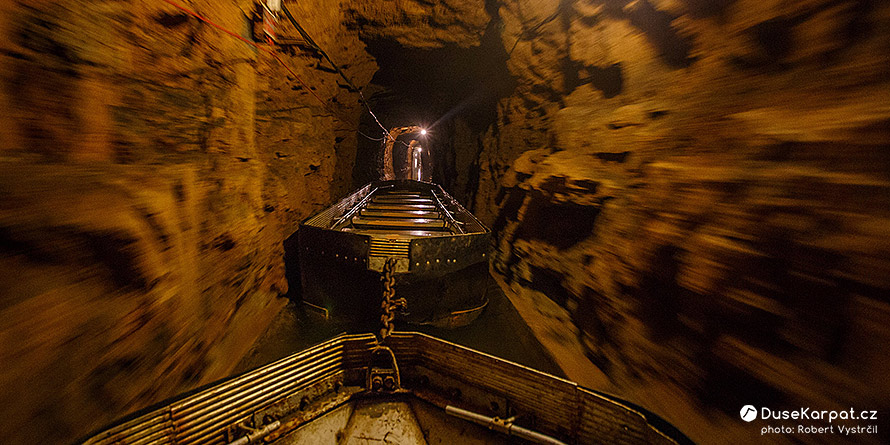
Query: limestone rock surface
{"type": "Point", "coordinates": [702, 189]}
{"type": "Point", "coordinates": [151, 167]}
{"type": "Point", "coordinates": [419, 23]}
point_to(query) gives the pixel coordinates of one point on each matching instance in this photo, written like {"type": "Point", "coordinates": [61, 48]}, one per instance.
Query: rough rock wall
{"type": "Point", "coordinates": [150, 168]}
{"type": "Point", "coordinates": [702, 189]}
{"type": "Point", "coordinates": [419, 23]}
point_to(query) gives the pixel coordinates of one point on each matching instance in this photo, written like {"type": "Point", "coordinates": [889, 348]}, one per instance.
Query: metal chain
{"type": "Point", "coordinates": [390, 303]}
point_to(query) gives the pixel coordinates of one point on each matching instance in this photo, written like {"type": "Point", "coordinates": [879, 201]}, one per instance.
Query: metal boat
{"type": "Point", "coordinates": [415, 390]}
{"type": "Point", "coordinates": [437, 250]}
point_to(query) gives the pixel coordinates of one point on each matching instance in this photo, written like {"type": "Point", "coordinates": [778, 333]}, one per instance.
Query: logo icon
{"type": "Point", "coordinates": [748, 413]}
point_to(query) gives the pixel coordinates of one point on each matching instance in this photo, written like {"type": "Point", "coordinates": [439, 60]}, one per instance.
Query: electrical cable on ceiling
{"type": "Point", "coordinates": [289, 70]}
{"type": "Point", "coordinates": [529, 33]}
{"type": "Point", "coordinates": [266, 50]}
{"type": "Point", "coordinates": [369, 137]}
{"type": "Point", "coordinates": [315, 46]}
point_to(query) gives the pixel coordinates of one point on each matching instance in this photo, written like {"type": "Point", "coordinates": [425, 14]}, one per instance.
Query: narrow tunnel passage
{"type": "Point", "coordinates": [688, 202]}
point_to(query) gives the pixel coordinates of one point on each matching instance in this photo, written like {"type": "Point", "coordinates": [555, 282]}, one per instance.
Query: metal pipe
{"type": "Point", "coordinates": [195, 424]}
{"type": "Point", "coordinates": [357, 207]}
{"type": "Point", "coordinates": [256, 436]}
{"type": "Point", "coordinates": [239, 410]}
{"type": "Point", "coordinates": [220, 418]}
{"type": "Point", "coordinates": [447, 214]}
{"type": "Point", "coordinates": [211, 421]}
{"type": "Point", "coordinates": [156, 436]}
{"type": "Point", "coordinates": [148, 431]}
{"type": "Point", "coordinates": [252, 377]}
{"type": "Point", "coordinates": [199, 434]}
{"type": "Point", "coordinates": [261, 384]}
{"type": "Point", "coordinates": [209, 411]}
{"type": "Point", "coordinates": [502, 426]}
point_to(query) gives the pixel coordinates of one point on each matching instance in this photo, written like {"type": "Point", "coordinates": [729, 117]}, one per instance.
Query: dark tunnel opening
{"type": "Point", "coordinates": [451, 91]}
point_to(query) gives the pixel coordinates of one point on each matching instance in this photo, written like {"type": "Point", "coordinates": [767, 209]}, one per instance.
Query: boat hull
{"type": "Point", "coordinates": [294, 399]}
{"type": "Point", "coordinates": [440, 276]}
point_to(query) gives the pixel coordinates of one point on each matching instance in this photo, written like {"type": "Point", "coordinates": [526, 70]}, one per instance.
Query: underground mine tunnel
{"type": "Point", "coordinates": [597, 221]}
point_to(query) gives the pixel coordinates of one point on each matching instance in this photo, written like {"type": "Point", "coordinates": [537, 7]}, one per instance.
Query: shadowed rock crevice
{"type": "Point", "coordinates": [511, 201]}
{"type": "Point", "coordinates": [656, 25]}
{"type": "Point", "coordinates": [658, 295]}
{"type": "Point", "coordinates": [562, 225]}
{"type": "Point", "coordinates": [292, 267]}
{"type": "Point", "coordinates": [550, 284]}
{"type": "Point", "coordinates": [608, 80]}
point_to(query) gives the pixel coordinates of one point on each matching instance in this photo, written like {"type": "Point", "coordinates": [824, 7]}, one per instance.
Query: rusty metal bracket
{"type": "Point", "coordinates": [383, 371]}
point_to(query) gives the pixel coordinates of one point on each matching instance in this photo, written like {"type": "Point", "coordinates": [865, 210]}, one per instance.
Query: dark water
{"type": "Point", "coordinates": [498, 331]}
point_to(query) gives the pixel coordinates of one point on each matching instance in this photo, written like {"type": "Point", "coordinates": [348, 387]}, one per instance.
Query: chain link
{"type": "Point", "coordinates": [390, 304]}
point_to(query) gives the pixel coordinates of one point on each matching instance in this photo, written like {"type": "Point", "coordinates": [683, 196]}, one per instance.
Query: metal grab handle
{"type": "Point", "coordinates": [503, 426]}
{"type": "Point", "coordinates": [357, 207]}
{"type": "Point", "coordinates": [447, 214]}
{"type": "Point", "coordinates": [257, 435]}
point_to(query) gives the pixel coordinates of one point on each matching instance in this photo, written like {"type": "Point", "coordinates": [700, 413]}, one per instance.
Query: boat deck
{"type": "Point", "coordinates": [397, 212]}
{"type": "Point", "coordinates": [412, 229]}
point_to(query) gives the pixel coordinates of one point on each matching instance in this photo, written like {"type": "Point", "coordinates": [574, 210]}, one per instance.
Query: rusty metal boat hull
{"type": "Point", "coordinates": [439, 248]}
{"type": "Point", "coordinates": [443, 393]}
